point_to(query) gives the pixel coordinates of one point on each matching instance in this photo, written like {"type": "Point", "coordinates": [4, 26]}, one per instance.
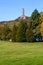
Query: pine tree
{"type": "Point", "coordinates": [34, 20]}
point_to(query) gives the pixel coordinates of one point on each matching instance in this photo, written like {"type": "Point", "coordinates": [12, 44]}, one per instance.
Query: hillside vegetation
{"type": "Point", "coordinates": [12, 22]}
{"type": "Point", "coordinates": [23, 30]}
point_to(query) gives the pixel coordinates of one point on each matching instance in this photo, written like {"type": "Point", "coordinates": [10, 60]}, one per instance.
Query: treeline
{"type": "Point", "coordinates": [25, 31]}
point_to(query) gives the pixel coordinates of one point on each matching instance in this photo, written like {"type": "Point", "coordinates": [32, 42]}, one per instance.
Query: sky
{"type": "Point", "coordinates": [12, 9]}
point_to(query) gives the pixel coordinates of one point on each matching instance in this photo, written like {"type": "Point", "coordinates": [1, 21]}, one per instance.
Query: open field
{"type": "Point", "coordinates": [21, 54]}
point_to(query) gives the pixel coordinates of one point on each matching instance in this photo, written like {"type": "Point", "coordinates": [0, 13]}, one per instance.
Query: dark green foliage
{"type": "Point", "coordinates": [14, 33]}
{"type": "Point", "coordinates": [29, 34]}
{"type": "Point", "coordinates": [5, 32]}
{"type": "Point", "coordinates": [1, 30]}
{"type": "Point", "coordinates": [8, 37]}
{"type": "Point", "coordinates": [21, 37]}
{"type": "Point", "coordinates": [36, 31]}
{"type": "Point", "coordinates": [35, 18]}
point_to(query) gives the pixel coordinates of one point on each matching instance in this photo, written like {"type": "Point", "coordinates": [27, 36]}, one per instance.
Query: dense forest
{"type": "Point", "coordinates": [29, 30]}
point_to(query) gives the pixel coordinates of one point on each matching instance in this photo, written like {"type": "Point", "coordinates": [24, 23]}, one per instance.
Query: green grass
{"type": "Point", "coordinates": [21, 53]}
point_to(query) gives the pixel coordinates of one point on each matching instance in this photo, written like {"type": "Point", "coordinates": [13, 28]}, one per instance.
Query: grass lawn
{"type": "Point", "coordinates": [21, 53]}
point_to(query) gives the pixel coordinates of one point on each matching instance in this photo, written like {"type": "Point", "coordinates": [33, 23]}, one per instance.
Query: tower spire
{"type": "Point", "coordinates": [23, 15]}
{"type": "Point", "coordinates": [22, 12]}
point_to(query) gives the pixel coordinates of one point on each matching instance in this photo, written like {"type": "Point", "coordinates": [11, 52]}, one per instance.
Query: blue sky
{"type": "Point", "coordinates": [12, 9]}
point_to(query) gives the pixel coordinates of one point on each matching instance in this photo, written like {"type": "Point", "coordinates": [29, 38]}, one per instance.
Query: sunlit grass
{"type": "Point", "coordinates": [21, 53]}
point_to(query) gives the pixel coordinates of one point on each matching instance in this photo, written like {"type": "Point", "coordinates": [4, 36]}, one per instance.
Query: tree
{"type": "Point", "coordinates": [34, 20]}
{"type": "Point", "coordinates": [29, 34]}
{"type": "Point", "coordinates": [41, 17]}
{"type": "Point", "coordinates": [1, 30]}
{"type": "Point", "coordinates": [41, 23]}
{"type": "Point", "coordinates": [14, 33]}
{"type": "Point", "coordinates": [21, 37]}
{"type": "Point", "coordinates": [5, 32]}
{"type": "Point", "coordinates": [41, 29]}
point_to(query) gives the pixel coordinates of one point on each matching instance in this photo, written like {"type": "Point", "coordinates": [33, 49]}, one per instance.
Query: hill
{"type": "Point", "coordinates": [12, 22]}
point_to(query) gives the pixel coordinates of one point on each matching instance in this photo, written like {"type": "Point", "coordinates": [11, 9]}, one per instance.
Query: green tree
{"type": "Point", "coordinates": [34, 20]}
{"type": "Point", "coordinates": [5, 32]}
{"type": "Point", "coordinates": [1, 30]}
{"type": "Point", "coordinates": [29, 34]}
{"type": "Point", "coordinates": [14, 31]}
{"type": "Point", "coordinates": [21, 37]}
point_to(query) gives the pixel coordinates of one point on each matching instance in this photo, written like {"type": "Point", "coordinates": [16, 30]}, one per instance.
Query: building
{"type": "Point", "coordinates": [23, 14]}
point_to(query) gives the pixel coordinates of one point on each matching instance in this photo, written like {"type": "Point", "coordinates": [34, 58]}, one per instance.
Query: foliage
{"type": "Point", "coordinates": [14, 30]}
{"type": "Point", "coordinates": [41, 23]}
{"type": "Point", "coordinates": [29, 34]}
{"type": "Point", "coordinates": [21, 37]}
{"type": "Point", "coordinates": [41, 29]}
{"type": "Point", "coordinates": [41, 17]}
{"type": "Point", "coordinates": [35, 23]}
{"type": "Point", "coordinates": [1, 30]}
{"type": "Point", "coordinates": [6, 31]}
{"type": "Point", "coordinates": [35, 18]}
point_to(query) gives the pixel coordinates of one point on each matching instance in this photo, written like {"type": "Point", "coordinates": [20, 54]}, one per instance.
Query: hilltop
{"type": "Point", "coordinates": [12, 22]}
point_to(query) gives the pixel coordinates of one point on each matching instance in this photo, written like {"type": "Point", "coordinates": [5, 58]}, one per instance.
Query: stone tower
{"type": "Point", "coordinates": [23, 15]}
{"type": "Point", "coordinates": [22, 12]}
